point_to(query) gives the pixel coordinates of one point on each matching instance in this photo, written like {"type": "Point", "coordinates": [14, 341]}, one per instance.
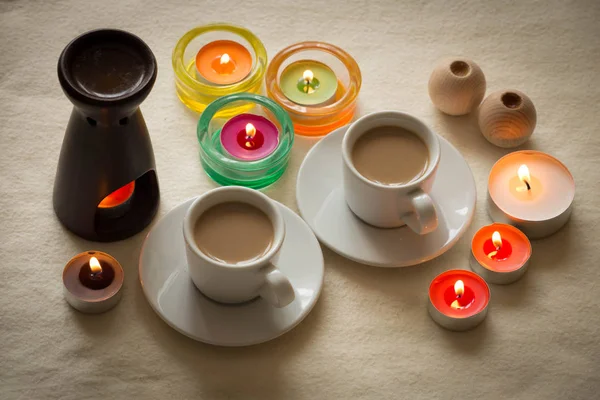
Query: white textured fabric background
{"type": "Point", "coordinates": [369, 336]}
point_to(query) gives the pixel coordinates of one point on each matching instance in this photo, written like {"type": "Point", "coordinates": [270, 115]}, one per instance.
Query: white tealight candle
{"type": "Point", "coordinates": [532, 191]}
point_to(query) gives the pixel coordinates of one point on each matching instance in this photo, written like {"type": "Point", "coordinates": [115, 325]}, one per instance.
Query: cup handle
{"type": "Point", "coordinates": [277, 289]}
{"type": "Point", "coordinates": [423, 217]}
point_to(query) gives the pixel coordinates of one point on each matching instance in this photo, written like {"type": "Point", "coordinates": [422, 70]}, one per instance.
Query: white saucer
{"type": "Point", "coordinates": [171, 293]}
{"type": "Point", "coordinates": [321, 202]}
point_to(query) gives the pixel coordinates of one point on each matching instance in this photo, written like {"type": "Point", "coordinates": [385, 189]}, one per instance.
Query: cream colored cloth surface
{"type": "Point", "coordinates": [369, 336]}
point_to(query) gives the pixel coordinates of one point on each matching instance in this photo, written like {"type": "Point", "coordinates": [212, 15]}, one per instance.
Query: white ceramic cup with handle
{"type": "Point", "coordinates": [392, 206]}
{"type": "Point", "coordinates": [238, 283]}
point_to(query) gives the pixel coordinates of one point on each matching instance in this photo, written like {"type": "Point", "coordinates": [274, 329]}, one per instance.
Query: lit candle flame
{"type": "Point", "coordinates": [95, 265]}
{"type": "Point", "coordinates": [308, 76]}
{"type": "Point", "coordinates": [250, 130]}
{"type": "Point", "coordinates": [225, 58]}
{"type": "Point", "coordinates": [250, 133]}
{"type": "Point", "coordinates": [524, 176]}
{"type": "Point", "coordinates": [459, 288]}
{"type": "Point", "coordinates": [497, 239]}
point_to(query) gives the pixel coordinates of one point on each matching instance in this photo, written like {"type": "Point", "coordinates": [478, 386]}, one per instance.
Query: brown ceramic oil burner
{"type": "Point", "coordinates": [106, 187]}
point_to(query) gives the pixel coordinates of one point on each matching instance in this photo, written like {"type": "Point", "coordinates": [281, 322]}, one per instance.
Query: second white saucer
{"type": "Point", "coordinates": [172, 294]}
{"type": "Point", "coordinates": [320, 198]}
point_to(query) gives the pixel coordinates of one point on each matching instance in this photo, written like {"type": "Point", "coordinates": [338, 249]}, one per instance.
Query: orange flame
{"type": "Point", "coordinates": [459, 288]}
{"type": "Point", "coordinates": [250, 130]}
{"type": "Point", "coordinates": [524, 176]}
{"type": "Point", "coordinates": [308, 76]}
{"type": "Point", "coordinates": [225, 59]}
{"type": "Point", "coordinates": [95, 265]}
{"type": "Point", "coordinates": [497, 239]}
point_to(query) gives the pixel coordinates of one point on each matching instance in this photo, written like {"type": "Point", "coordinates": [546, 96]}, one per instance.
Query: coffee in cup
{"type": "Point", "coordinates": [390, 155]}
{"type": "Point", "coordinates": [234, 233]}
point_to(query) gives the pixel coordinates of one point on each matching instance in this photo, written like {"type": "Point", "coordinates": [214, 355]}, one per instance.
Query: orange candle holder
{"type": "Point", "coordinates": [317, 119]}
{"type": "Point", "coordinates": [212, 61]}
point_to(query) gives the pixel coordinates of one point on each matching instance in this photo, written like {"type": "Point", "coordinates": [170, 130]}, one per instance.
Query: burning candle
{"type": "Point", "coordinates": [94, 275]}
{"type": "Point", "coordinates": [118, 202]}
{"type": "Point", "coordinates": [308, 82]}
{"type": "Point", "coordinates": [532, 191]}
{"type": "Point", "coordinates": [458, 300]}
{"type": "Point", "coordinates": [249, 137]}
{"type": "Point", "coordinates": [92, 282]}
{"type": "Point", "coordinates": [224, 62]}
{"type": "Point", "coordinates": [500, 253]}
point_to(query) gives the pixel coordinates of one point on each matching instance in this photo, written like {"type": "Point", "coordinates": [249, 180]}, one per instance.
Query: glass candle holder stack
{"type": "Point", "coordinates": [216, 60]}
{"type": "Point", "coordinates": [250, 148]}
{"type": "Point", "coordinates": [317, 84]}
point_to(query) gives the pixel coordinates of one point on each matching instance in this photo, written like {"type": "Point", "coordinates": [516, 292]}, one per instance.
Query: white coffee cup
{"type": "Point", "coordinates": [391, 206]}
{"type": "Point", "coordinates": [237, 283]}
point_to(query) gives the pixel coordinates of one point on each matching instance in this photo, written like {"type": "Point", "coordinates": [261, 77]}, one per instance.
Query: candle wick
{"type": "Point", "coordinates": [96, 275]}
{"type": "Point", "coordinates": [528, 185]}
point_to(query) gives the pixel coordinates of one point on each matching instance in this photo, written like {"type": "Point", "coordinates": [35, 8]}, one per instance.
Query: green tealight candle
{"type": "Point", "coordinates": [308, 82]}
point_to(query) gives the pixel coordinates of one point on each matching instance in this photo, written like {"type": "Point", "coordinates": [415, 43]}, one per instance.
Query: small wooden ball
{"type": "Point", "coordinates": [507, 118]}
{"type": "Point", "coordinates": [457, 86]}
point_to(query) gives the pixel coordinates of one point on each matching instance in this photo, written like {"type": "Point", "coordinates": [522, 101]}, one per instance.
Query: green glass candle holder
{"type": "Point", "coordinates": [226, 167]}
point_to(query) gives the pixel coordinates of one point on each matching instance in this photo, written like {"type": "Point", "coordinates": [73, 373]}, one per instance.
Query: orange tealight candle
{"type": "Point", "coordinates": [500, 253]}
{"type": "Point", "coordinates": [224, 62]}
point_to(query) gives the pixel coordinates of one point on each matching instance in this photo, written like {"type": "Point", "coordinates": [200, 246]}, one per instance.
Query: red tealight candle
{"type": "Point", "coordinates": [500, 253]}
{"type": "Point", "coordinates": [118, 197]}
{"type": "Point", "coordinates": [458, 299]}
{"type": "Point", "coordinates": [117, 203]}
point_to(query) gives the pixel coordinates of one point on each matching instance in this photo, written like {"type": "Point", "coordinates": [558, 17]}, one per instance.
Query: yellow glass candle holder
{"type": "Point", "coordinates": [198, 85]}
{"type": "Point", "coordinates": [317, 84]}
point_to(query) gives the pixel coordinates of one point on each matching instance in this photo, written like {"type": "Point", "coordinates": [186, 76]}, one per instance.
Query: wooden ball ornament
{"type": "Point", "coordinates": [507, 118]}
{"type": "Point", "coordinates": [457, 86]}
